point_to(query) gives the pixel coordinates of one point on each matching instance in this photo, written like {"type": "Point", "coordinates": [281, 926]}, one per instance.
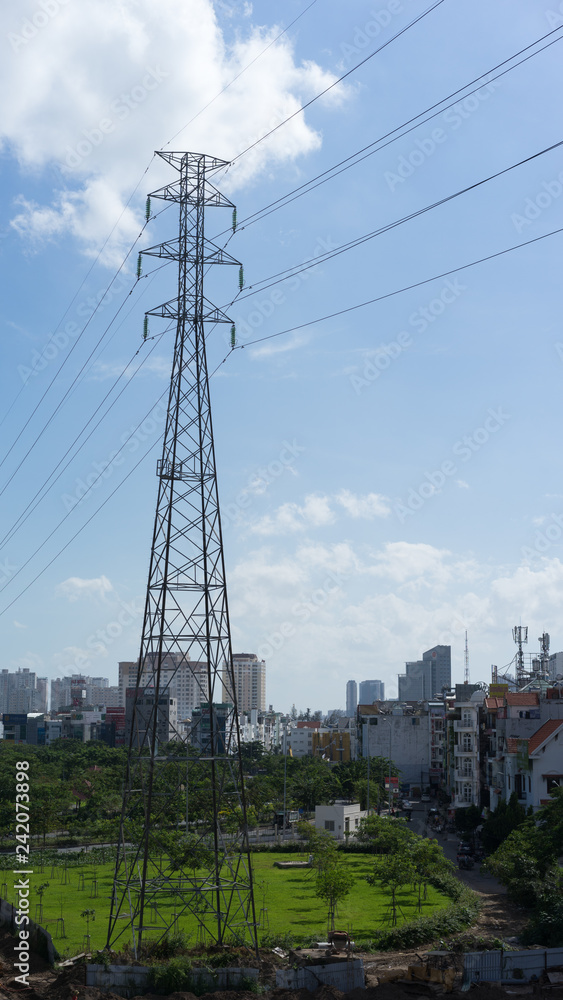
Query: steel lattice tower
{"type": "Point", "coordinates": [183, 842]}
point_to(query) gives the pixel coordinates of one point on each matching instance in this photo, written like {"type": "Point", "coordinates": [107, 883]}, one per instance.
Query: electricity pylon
{"type": "Point", "coordinates": [183, 844]}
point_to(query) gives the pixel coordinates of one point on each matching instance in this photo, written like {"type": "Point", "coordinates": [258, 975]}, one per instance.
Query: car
{"type": "Point", "coordinates": [407, 804]}
{"type": "Point", "coordinates": [425, 798]}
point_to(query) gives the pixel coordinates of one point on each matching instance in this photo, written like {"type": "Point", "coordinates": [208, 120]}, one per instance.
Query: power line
{"type": "Point", "coordinates": [66, 358]}
{"type": "Point", "coordinates": [258, 340]}
{"type": "Point", "coordinates": [61, 401]}
{"type": "Point", "coordinates": [397, 291]}
{"type": "Point", "coordinates": [86, 523]}
{"type": "Point", "coordinates": [368, 150]}
{"type": "Point", "coordinates": [290, 272]}
{"type": "Point", "coordinates": [336, 82]}
{"type": "Point", "coordinates": [26, 513]}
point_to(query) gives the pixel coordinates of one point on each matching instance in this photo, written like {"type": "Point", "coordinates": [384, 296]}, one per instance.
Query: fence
{"type": "Point", "coordinates": [509, 966]}
{"type": "Point", "coordinates": [40, 940]}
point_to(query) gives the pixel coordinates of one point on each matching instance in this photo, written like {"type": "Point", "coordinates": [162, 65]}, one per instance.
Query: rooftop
{"type": "Point", "coordinates": [548, 728]}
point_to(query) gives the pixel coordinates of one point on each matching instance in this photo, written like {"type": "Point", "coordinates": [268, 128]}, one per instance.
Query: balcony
{"type": "Point", "coordinates": [464, 726]}
{"type": "Point", "coordinates": [465, 748]}
{"type": "Point", "coordinates": [465, 775]}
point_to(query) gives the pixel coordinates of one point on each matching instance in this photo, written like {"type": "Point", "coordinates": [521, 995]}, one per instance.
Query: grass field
{"type": "Point", "coordinates": [285, 902]}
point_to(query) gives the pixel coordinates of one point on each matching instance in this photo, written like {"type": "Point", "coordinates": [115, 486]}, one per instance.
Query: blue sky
{"type": "Point", "coordinates": [390, 477]}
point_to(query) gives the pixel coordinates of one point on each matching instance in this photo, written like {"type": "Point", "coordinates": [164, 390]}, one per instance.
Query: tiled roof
{"type": "Point", "coordinates": [522, 698]}
{"type": "Point", "coordinates": [512, 744]}
{"type": "Point", "coordinates": [494, 702]}
{"type": "Point", "coordinates": [543, 732]}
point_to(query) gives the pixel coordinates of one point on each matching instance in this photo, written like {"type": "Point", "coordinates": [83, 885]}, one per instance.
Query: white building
{"type": "Point", "coordinates": [180, 678]}
{"type": "Point", "coordinates": [341, 819]}
{"type": "Point", "coordinates": [22, 692]}
{"type": "Point", "coordinates": [465, 779]}
{"type": "Point", "coordinates": [250, 682]}
{"type": "Point", "coordinates": [400, 733]}
{"type": "Point", "coordinates": [534, 765]}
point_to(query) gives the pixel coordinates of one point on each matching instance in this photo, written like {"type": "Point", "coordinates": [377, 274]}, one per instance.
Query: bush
{"type": "Point", "coordinates": [171, 977]}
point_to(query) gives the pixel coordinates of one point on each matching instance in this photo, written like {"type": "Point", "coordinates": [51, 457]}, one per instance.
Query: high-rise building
{"type": "Point", "coordinates": [250, 682]}
{"type": "Point", "coordinates": [166, 716]}
{"type": "Point", "coordinates": [424, 679]}
{"type": "Point", "coordinates": [371, 691]}
{"type": "Point", "coordinates": [184, 680]}
{"type": "Point", "coordinates": [22, 692]}
{"type": "Point", "coordinates": [351, 698]}
{"type": "Point", "coordinates": [78, 690]}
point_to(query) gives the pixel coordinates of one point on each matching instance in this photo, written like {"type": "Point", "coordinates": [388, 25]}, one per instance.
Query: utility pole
{"type": "Point", "coordinates": [206, 873]}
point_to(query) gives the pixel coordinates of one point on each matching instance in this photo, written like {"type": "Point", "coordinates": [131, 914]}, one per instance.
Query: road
{"type": "Point", "coordinates": [476, 880]}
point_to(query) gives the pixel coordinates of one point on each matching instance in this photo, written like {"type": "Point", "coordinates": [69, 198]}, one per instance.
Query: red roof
{"type": "Point", "coordinates": [311, 724]}
{"type": "Point", "coordinates": [549, 727]}
{"type": "Point", "coordinates": [522, 698]}
{"type": "Point", "coordinates": [494, 702]}
{"type": "Point", "coordinates": [512, 744]}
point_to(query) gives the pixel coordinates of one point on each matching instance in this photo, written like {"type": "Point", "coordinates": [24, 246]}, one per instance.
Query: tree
{"type": "Point", "coordinates": [321, 845]}
{"type": "Point", "coordinates": [384, 835]}
{"type": "Point", "coordinates": [394, 872]}
{"type": "Point", "coordinates": [428, 860]}
{"type": "Point", "coordinates": [332, 884]}
{"type": "Point", "coordinates": [508, 816]}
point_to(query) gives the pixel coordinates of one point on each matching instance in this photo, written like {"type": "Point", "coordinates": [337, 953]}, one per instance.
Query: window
{"type": "Point", "coordinates": [329, 825]}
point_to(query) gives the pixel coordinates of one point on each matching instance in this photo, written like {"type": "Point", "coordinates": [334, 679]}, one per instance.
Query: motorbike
{"type": "Point", "coordinates": [465, 861]}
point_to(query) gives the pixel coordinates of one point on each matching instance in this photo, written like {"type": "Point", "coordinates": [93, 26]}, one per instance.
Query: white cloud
{"type": "Point", "coordinates": [19, 624]}
{"type": "Point", "coordinates": [462, 484]}
{"type": "Point", "coordinates": [98, 85]}
{"type": "Point", "coordinates": [368, 506]}
{"type": "Point", "coordinates": [156, 365]}
{"type": "Point", "coordinates": [273, 347]}
{"type": "Point", "coordinates": [317, 512]}
{"type": "Point", "coordinates": [341, 612]}
{"type": "Point", "coordinates": [75, 587]}
{"type": "Point", "coordinates": [290, 517]}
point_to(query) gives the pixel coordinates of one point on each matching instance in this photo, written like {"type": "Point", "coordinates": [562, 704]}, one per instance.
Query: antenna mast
{"type": "Point", "coordinates": [466, 671]}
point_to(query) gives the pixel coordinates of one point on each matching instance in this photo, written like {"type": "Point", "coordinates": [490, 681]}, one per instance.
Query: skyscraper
{"type": "Point", "coordinates": [351, 698]}
{"type": "Point", "coordinates": [426, 678]}
{"type": "Point", "coordinates": [371, 691]}
{"type": "Point", "coordinates": [250, 682]}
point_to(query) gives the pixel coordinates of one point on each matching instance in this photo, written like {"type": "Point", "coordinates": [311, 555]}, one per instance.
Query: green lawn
{"type": "Point", "coordinates": [285, 902]}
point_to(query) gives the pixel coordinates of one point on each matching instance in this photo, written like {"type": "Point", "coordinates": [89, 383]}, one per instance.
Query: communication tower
{"type": "Point", "coordinates": [520, 636]}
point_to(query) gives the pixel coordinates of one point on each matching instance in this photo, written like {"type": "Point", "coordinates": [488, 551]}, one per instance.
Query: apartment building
{"type": "Point", "coordinates": [22, 691]}
{"type": "Point", "coordinates": [250, 682]}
